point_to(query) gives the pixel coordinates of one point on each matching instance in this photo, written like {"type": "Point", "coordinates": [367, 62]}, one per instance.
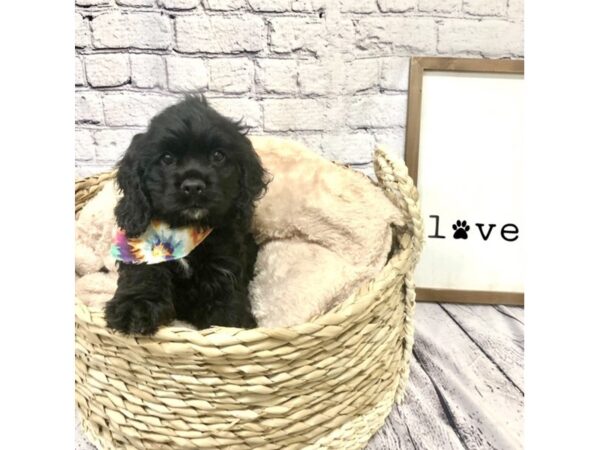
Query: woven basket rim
{"type": "Point", "coordinates": [339, 315]}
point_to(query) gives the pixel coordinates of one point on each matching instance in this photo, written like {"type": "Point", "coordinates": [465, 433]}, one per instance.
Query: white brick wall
{"type": "Point", "coordinates": [125, 29]}
{"type": "Point", "coordinates": [187, 74]}
{"type": "Point", "coordinates": [231, 75]}
{"type": "Point", "coordinates": [148, 71]}
{"type": "Point", "coordinates": [235, 33]}
{"type": "Point", "coordinates": [107, 70]}
{"type": "Point", "coordinates": [330, 73]}
{"type": "Point", "coordinates": [276, 76]}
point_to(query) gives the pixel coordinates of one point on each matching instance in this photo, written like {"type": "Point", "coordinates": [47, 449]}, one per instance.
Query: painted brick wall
{"type": "Point", "coordinates": [331, 73]}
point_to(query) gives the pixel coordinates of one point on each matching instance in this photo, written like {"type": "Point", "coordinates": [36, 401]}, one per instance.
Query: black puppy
{"type": "Point", "coordinates": [192, 167]}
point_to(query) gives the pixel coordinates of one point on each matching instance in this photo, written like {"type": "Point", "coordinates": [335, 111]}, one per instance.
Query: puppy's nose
{"type": "Point", "coordinates": [193, 186]}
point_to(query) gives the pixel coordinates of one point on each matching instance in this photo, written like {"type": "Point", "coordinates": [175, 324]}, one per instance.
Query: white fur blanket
{"type": "Point", "coordinates": [323, 230]}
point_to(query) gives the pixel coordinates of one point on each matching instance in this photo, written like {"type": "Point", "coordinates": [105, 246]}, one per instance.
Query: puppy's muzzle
{"type": "Point", "coordinates": [192, 187]}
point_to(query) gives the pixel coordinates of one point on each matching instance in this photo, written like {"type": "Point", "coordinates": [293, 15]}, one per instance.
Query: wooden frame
{"type": "Point", "coordinates": [418, 66]}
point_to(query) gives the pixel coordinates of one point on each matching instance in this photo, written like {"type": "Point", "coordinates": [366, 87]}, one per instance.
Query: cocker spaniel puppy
{"type": "Point", "coordinates": [193, 174]}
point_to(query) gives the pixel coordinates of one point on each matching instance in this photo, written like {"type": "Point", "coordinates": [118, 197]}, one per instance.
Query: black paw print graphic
{"type": "Point", "coordinates": [460, 229]}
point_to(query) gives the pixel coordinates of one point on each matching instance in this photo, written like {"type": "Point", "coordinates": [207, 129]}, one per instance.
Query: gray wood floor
{"type": "Point", "coordinates": [466, 382]}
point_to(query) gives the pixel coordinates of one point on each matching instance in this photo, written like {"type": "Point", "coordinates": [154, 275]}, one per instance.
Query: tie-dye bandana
{"type": "Point", "coordinates": [159, 243]}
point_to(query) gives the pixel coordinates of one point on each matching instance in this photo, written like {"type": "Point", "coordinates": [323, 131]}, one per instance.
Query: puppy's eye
{"type": "Point", "coordinates": [167, 159]}
{"type": "Point", "coordinates": [217, 156]}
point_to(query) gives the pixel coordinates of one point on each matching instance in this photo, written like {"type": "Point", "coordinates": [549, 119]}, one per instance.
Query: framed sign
{"type": "Point", "coordinates": [464, 149]}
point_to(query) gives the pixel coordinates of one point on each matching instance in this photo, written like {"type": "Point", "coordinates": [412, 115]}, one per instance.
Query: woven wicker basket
{"type": "Point", "coordinates": [325, 384]}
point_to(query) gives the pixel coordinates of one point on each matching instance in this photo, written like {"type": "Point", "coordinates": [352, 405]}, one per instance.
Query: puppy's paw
{"type": "Point", "coordinates": [135, 314]}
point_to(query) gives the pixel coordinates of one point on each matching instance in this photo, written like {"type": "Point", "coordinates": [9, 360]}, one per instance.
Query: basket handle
{"type": "Point", "coordinates": [399, 187]}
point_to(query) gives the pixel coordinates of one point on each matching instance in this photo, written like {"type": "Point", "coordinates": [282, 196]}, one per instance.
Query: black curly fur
{"type": "Point", "coordinates": [210, 287]}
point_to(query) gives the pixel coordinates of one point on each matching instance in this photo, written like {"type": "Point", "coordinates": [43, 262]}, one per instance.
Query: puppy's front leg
{"type": "Point", "coordinates": [143, 301]}
{"type": "Point", "coordinates": [221, 297]}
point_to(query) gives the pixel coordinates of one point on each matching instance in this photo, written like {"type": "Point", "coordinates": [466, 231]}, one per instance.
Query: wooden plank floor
{"type": "Point", "coordinates": [466, 382]}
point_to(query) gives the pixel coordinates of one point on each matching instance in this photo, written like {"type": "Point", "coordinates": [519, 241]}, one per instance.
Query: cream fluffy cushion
{"type": "Point", "coordinates": [322, 230]}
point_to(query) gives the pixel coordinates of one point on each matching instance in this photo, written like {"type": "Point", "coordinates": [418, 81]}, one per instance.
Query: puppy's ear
{"type": "Point", "coordinates": [253, 184]}
{"type": "Point", "coordinates": [133, 209]}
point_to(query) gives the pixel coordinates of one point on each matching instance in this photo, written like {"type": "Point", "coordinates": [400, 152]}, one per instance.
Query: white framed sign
{"type": "Point", "coordinates": [464, 149]}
